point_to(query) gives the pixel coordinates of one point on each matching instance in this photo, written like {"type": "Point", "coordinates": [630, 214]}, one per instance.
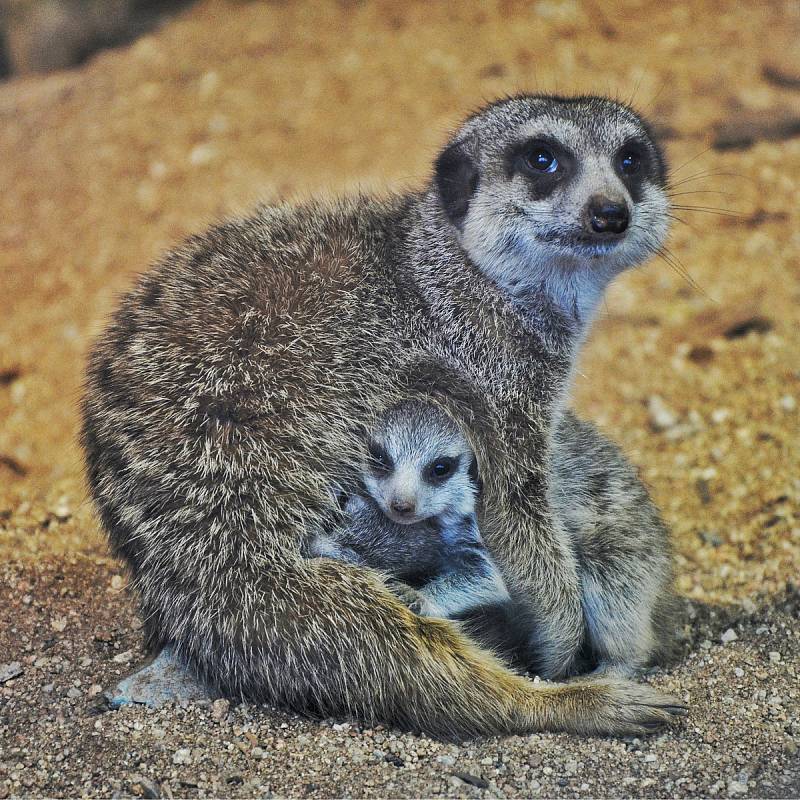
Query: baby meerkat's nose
{"type": "Point", "coordinates": [606, 216]}
{"type": "Point", "coordinates": [402, 506]}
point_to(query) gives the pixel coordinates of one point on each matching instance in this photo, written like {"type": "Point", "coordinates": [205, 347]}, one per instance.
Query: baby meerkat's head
{"type": "Point", "coordinates": [555, 193]}
{"type": "Point", "coordinates": [419, 466]}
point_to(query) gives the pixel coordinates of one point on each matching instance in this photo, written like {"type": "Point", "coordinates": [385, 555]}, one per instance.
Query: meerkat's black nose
{"type": "Point", "coordinates": [400, 506]}
{"type": "Point", "coordinates": [607, 216]}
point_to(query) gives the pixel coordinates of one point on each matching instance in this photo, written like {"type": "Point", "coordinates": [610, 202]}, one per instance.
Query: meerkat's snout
{"type": "Point", "coordinates": [403, 506]}
{"type": "Point", "coordinates": [605, 216]}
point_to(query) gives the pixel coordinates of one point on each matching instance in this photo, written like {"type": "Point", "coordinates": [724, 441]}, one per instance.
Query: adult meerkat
{"type": "Point", "coordinates": [233, 386]}
{"type": "Point", "coordinates": [414, 518]}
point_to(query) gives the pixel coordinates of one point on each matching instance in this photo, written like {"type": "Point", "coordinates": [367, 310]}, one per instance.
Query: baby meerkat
{"type": "Point", "coordinates": [415, 520]}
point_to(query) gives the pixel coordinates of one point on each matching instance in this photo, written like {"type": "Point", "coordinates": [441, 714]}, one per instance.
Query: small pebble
{"type": "Point", "coordinates": [729, 636]}
{"type": "Point", "coordinates": [182, 756]}
{"type": "Point", "coordinates": [123, 658]}
{"type": "Point", "coordinates": [10, 671]}
{"type": "Point", "coordinates": [144, 787]}
{"type": "Point", "coordinates": [202, 154]}
{"type": "Point", "coordinates": [62, 511]}
{"type": "Point", "coordinates": [719, 415]}
{"type": "Point", "coordinates": [774, 656]}
{"type": "Point", "coordinates": [662, 417]}
{"type": "Point", "coordinates": [219, 709]}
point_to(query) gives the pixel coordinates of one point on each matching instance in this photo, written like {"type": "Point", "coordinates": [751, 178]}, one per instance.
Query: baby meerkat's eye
{"type": "Point", "coordinates": [629, 162]}
{"type": "Point", "coordinates": [379, 460]}
{"type": "Point", "coordinates": [542, 159]}
{"type": "Point", "coordinates": [442, 468]}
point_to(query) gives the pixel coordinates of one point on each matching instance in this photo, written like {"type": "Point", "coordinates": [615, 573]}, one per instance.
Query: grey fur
{"type": "Point", "coordinates": [433, 552]}
{"type": "Point", "coordinates": [233, 386]}
{"type": "Point", "coordinates": [623, 550]}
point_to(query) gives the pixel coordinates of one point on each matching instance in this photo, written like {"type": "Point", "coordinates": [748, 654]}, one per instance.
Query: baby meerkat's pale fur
{"type": "Point", "coordinates": [414, 519]}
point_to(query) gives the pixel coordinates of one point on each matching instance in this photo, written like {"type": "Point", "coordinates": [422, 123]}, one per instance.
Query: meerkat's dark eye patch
{"type": "Point", "coordinates": [380, 462]}
{"type": "Point", "coordinates": [440, 469]}
{"type": "Point", "coordinates": [544, 161]}
{"type": "Point", "coordinates": [629, 163]}
{"type": "Point", "coordinates": [631, 159]}
{"type": "Point", "coordinates": [635, 163]}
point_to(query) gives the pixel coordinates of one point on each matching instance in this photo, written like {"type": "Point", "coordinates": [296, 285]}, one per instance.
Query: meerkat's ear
{"type": "Point", "coordinates": [456, 179]}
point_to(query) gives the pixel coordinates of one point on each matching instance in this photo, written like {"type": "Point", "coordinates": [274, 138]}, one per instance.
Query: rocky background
{"type": "Point", "coordinates": [694, 367]}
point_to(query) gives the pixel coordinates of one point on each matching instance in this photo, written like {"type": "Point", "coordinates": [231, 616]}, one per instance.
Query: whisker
{"type": "Point", "coordinates": [683, 221]}
{"type": "Point", "coordinates": [680, 268]}
{"type": "Point", "coordinates": [700, 191]}
{"type": "Point", "coordinates": [720, 212]}
{"type": "Point", "coordinates": [650, 103]}
{"type": "Point", "coordinates": [636, 88]}
{"type": "Point", "coordinates": [709, 174]}
{"type": "Point", "coordinates": [672, 260]}
{"type": "Point", "coordinates": [693, 158]}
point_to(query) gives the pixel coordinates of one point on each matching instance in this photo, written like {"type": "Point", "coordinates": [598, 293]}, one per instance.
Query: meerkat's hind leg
{"type": "Point", "coordinates": [631, 614]}
{"type": "Point", "coordinates": [622, 548]}
{"type": "Point", "coordinates": [165, 679]}
{"type": "Point", "coordinates": [619, 630]}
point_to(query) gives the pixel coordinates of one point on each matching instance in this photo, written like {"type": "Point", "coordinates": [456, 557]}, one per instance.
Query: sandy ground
{"type": "Point", "coordinates": [104, 167]}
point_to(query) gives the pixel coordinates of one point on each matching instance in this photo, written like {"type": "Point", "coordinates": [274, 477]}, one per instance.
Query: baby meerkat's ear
{"type": "Point", "coordinates": [473, 472]}
{"type": "Point", "coordinates": [456, 179]}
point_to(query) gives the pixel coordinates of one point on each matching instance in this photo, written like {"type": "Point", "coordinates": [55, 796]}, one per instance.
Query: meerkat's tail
{"type": "Point", "coordinates": [331, 638]}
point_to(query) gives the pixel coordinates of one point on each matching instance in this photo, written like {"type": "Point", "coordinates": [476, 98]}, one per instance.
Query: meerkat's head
{"type": "Point", "coordinates": [419, 465]}
{"type": "Point", "coordinates": [555, 193]}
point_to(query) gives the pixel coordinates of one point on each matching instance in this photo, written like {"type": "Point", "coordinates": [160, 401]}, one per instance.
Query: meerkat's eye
{"type": "Point", "coordinates": [542, 159]}
{"type": "Point", "coordinates": [380, 461]}
{"type": "Point", "coordinates": [629, 162]}
{"type": "Point", "coordinates": [442, 468]}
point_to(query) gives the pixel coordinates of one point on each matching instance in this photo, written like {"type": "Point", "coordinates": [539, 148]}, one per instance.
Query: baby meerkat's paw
{"type": "Point", "coordinates": [416, 601]}
{"type": "Point", "coordinates": [355, 505]}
